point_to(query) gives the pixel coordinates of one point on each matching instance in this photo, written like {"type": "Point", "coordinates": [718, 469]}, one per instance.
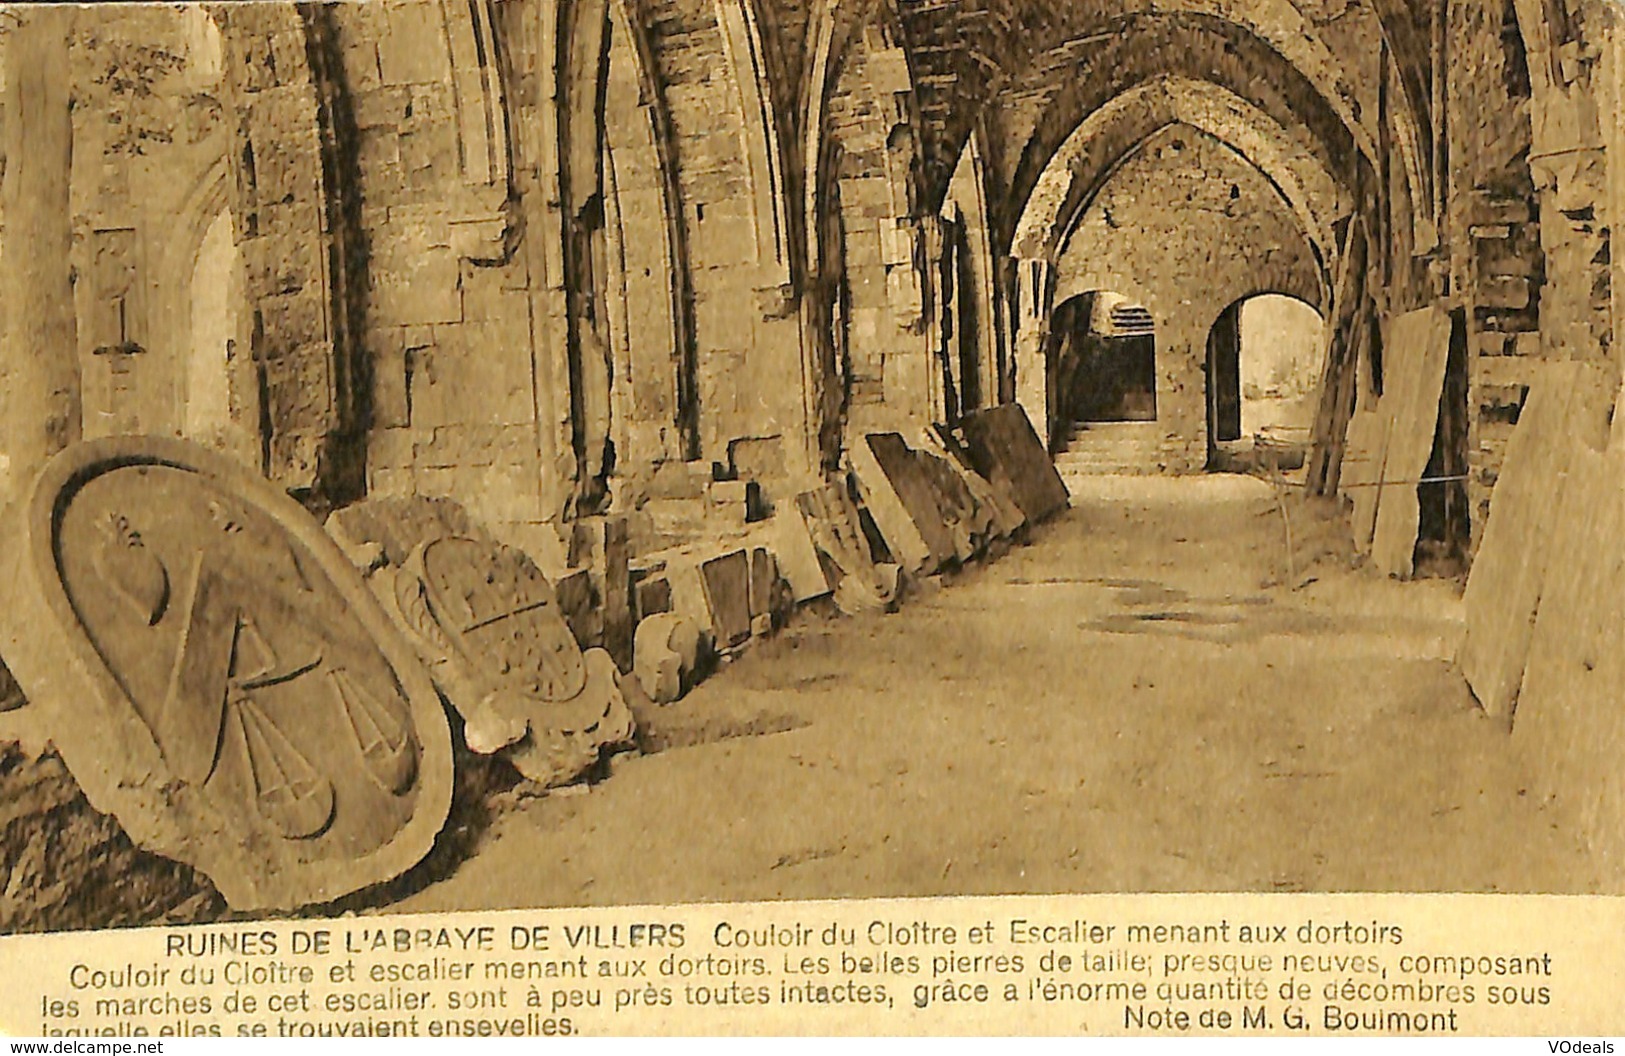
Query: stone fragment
{"type": "Point", "coordinates": [1567, 724]}
{"type": "Point", "coordinates": [578, 599]}
{"type": "Point", "coordinates": [397, 525]}
{"type": "Point", "coordinates": [217, 676]}
{"type": "Point", "coordinates": [921, 502]}
{"type": "Point", "coordinates": [654, 596]}
{"type": "Point", "coordinates": [1004, 448]}
{"type": "Point", "coordinates": [727, 589]}
{"type": "Point", "coordinates": [551, 750]}
{"type": "Point", "coordinates": [899, 502]}
{"type": "Point", "coordinates": [669, 652]}
{"type": "Point", "coordinates": [688, 594]}
{"type": "Point", "coordinates": [769, 593]}
{"type": "Point", "coordinates": [860, 585]}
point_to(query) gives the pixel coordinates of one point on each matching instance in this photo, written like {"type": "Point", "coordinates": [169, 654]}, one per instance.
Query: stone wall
{"type": "Point", "coordinates": [1527, 231]}
{"type": "Point", "coordinates": [1186, 227]}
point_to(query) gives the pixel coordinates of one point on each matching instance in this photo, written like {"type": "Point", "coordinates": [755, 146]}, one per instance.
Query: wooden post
{"type": "Point", "coordinates": [39, 356]}
{"type": "Point", "coordinates": [1337, 381]}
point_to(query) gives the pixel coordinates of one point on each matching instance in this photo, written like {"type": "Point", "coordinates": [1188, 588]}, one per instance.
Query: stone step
{"type": "Point", "coordinates": [1101, 448]}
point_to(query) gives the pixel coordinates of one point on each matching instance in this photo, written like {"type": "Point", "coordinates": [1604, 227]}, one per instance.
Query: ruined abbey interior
{"type": "Point", "coordinates": [464, 453]}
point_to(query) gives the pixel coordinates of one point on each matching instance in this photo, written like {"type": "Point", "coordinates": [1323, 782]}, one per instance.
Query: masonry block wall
{"type": "Point", "coordinates": [1186, 228]}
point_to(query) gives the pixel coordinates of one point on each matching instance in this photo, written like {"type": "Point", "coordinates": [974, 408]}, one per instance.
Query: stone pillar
{"type": "Point", "coordinates": [283, 218]}
{"type": "Point", "coordinates": [1031, 334]}
{"type": "Point", "coordinates": [39, 366]}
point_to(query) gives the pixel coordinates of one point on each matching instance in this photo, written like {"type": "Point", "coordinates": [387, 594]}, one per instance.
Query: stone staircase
{"type": "Point", "coordinates": [1099, 448]}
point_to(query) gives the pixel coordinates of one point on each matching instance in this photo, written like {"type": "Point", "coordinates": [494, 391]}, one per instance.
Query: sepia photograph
{"type": "Point", "coordinates": [462, 456]}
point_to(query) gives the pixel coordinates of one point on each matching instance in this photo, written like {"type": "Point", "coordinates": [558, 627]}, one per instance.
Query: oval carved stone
{"type": "Point", "coordinates": [218, 678]}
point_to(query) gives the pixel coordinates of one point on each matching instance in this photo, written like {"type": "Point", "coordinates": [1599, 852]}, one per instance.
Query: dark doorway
{"type": "Point", "coordinates": [1106, 360]}
{"type": "Point", "coordinates": [1224, 378]}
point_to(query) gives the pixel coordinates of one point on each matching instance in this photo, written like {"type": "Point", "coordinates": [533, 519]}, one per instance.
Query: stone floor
{"type": "Point", "coordinates": [1148, 697]}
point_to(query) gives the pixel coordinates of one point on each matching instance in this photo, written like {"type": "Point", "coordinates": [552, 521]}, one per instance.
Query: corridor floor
{"type": "Point", "coordinates": [1139, 700]}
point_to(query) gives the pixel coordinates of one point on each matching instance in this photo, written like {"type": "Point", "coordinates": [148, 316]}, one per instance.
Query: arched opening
{"type": "Point", "coordinates": [213, 333]}
{"type": "Point", "coordinates": [220, 405]}
{"type": "Point", "coordinates": [1105, 359]}
{"type": "Point", "coordinates": [1264, 358]}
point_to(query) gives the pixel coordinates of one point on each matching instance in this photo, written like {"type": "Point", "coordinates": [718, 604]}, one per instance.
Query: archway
{"type": "Point", "coordinates": [1264, 358]}
{"type": "Point", "coordinates": [215, 296]}
{"type": "Point", "coordinates": [210, 371]}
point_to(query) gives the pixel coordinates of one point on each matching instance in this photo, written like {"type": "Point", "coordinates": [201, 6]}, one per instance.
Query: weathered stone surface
{"type": "Point", "coordinates": [63, 865]}
{"type": "Point", "coordinates": [769, 593]}
{"type": "Point", "coordinates": [900, 501]}
{"type": "Point", "coordinates": [860, 585]}
{"type": "Point", "coordinates": [670, 651]}
{"type": "Point", "coordinates": [1419, 344]}
{"type": "Point", "coordinates": [1567, 723]}
{"type": "Point", "coordinates": [1004, 448]}
{"type": "Point", "coordinates": [495, 637]}
{"type": "Point", "coordinates": [218, 678]}
{"type": "Point", "coordinates": [654, 595]}
{"type": "Point", "coordinates": [553, 753]}
{"type": "Point", "coordinates": [397, 526]}
{"type": "Point", "coordinates": [921, 502]}
{"type": "Point", "coordinates": [1566, 409]}
{"type": "Point", "coordinates": [1363, 458]}
{"type": "Point", "coordinates": [798, 557]}
{"type": "Point", "coordinates": [727, 588]}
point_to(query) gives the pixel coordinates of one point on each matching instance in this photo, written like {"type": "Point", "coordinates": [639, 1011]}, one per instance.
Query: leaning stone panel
{"type": "Point", "coordinates": [217, 677]}
{"type": "Point", "coordinates": [1004, 448]}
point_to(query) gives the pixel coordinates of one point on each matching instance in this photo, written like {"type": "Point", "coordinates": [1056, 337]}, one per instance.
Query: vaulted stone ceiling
{"type": "Point", "coordinates": [1029, 71]}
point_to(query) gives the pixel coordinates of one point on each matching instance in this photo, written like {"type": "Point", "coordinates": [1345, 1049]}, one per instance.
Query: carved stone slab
{"type": "Point", "coordinates": [1004, 448]}
{"type": "Point", "coordinates": [1565, 414]}
{"type": "Point", "coordinates": [218, 678]}
{"type": "Point", "coordinates": [492, 631]}
{"type": "Point", "coordinates": [832, 521]}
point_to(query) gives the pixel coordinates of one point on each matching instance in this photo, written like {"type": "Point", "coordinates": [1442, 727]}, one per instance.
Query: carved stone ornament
{"type": "Point", "coordinates": [217, 676]}
{"type": "Point", "coordinates": [488, 624]}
